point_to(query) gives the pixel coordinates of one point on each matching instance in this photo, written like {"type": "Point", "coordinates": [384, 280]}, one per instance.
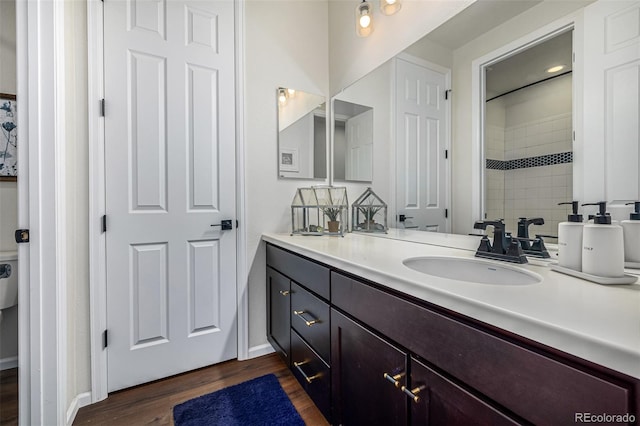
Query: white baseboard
{"type": "Point", "coordinates": [256, 351]}
{"type": "Point", "coordinates": [78, 402]}
{"type": "Point", "coordinates": [7, 363]}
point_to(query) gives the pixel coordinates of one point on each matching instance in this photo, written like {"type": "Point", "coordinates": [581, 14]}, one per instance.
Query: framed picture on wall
{"type": "Point", "coordinates": [8, 138]}
{"type": "Point", "coordinates": [289, 160]}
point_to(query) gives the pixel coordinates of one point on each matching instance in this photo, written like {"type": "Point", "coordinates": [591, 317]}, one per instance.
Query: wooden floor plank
{"type": "Point", "coordinates": [9, 397]}
{"type": "Point", "coordinates": [152, 403]}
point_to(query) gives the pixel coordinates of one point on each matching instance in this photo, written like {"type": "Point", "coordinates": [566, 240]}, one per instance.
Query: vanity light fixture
{"type": "Point", "coordinates": [291, 93]}
{"type": "Point", "coordinates": [282, 96]}
{"type": "Point", "coordinates": [364, 19]}
{"type": "Point", "coordinates": [555, 69]}
{"type": "Point", "coordinates": [389, 7]}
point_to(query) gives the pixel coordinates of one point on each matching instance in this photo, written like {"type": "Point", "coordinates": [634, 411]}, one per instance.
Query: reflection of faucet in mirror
{"type": "Point", "coordinates": [302, 140]}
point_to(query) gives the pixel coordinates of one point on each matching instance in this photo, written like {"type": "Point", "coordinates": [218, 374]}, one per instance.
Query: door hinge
{"type": "Point", "coordinates": [104, 223]}
{"type": "Point", "coordinates": [446, 154]}
{"type": "Point", "coordinates": [447, 94]}
{"type": "Point", "coordinates": [22, 236]}
{"type": "Point", "coordinates": [101, 107]}
{"type": "Point", "coordinates": [446, 213]}
{"type": "Point", "coordinates": [237, 224]}
{"type": "Point", "coordinates": [574, 135]}
{"type": "Point", "coordinates": [105, 339]}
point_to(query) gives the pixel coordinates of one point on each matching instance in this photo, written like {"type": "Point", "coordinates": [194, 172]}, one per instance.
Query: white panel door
{"type": "Point", "coordinates": [612, 103]}
{"type": "Point", "coordinates": [421, 135]}
{"type": "Point", "coordinates": [359, 134]}
{"type": "Point", "coordinates": [170, 173]}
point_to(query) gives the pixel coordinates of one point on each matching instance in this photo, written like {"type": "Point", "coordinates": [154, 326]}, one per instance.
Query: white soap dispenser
{"type": "Point", "coordinates": [631, 232]}
{"type": "Point", "coordinates": [602, 245]}
{"type": "Point", "coordinates": [570, 240]}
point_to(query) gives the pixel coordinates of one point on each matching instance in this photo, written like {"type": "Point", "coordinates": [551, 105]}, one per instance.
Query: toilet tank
{"type": "Point", "coordinates": [8, 279]}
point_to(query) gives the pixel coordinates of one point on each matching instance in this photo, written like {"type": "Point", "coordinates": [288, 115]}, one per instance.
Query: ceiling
{"type": "Point", "coordinates": [526, 67]}
{"type": "Point", "coordinates": [530, 66]}
{"type": "Point", "coordinates": [477, 19]}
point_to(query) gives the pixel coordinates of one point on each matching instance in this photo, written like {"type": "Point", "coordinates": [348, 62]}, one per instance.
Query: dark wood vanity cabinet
{"type": "Point", "coordinates": [367, 375]}
{"type": "Point", "coordinates": [298, 321]}
{"type": "Point", "coordinates": [278, 307]}
{"type": "Point", "coordinates": [373, 356]}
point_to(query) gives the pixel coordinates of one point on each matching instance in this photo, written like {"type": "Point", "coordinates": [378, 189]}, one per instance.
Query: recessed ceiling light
{"type": "Point", "coordinates": [555, 69]}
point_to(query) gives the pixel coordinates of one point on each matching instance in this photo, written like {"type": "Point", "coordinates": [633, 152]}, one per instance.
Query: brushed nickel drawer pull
{"type": "Point", "coordinates": [284, 292]}
{"type": "Point", "coordinates": [413, 393]}
{"type": "Point", "coordinates": [309, 323]}
{"type": "Point", "coordinates": [394, 379]}
{"type": "Point", "coordinates": [299, 365]}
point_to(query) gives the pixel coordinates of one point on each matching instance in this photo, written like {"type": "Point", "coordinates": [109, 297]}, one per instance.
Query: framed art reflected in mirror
{"type": "Point", "coordinates": [8, 138]}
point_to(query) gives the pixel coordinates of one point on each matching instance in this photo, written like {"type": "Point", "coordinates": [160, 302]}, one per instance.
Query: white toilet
{"type": "Point", "coordinates": [8, 280]}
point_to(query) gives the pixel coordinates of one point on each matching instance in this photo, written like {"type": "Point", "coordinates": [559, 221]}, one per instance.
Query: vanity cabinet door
{"type": "Point", "coordinates": [363, 369]}
{"type": "Point", "coordinates": [436, 400]}
{"type": "Point", "coordinates": [278, 313]}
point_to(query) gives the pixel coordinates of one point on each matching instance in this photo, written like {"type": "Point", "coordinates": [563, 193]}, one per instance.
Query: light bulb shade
{"type": "Point", "coordinates": [389, 7]}
{"type": "Point", "coordinates": [364, 19]}
{"type": "Point", "coordinates": [282, 96]}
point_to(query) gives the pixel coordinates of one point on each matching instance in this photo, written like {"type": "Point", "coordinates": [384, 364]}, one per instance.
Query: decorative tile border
{"type": "Point", "coordinates": [523, 163]}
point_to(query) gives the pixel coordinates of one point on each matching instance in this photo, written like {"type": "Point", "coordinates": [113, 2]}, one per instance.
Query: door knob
{"type": "Point", "coordinates": [225, 225]}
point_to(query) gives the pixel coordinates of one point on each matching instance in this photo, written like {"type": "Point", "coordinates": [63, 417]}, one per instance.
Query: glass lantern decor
{"type": "Point", "coordinates": [369, 213]}
{"type": "Point", "coordinates": [320, 210]}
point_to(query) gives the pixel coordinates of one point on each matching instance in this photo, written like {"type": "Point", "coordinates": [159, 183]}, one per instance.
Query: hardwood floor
{"type": "Point", "coordinates": [9, 397]}
{"type": "Point", "coordinates": [152, 403]}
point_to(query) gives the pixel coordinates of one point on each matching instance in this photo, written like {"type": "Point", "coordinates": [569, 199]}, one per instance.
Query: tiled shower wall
{"type": "Point", "coordinates": [543, 180]}
{"type": "Point", "coordinates": [528, 147]}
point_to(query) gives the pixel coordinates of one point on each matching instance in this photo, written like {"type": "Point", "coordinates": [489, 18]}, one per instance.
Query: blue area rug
{"type": "Point", "coordinates": [260, 401]}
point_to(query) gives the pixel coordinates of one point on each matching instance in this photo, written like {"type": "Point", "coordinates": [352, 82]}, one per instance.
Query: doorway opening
{"type": "Point", "coordinates": [527, 134]}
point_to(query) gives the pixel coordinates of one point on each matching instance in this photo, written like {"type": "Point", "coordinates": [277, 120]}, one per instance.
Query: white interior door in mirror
{"type": "Point", "coordinates": [352, 141]}
{"type": "Point", "coordinates": [612, 105]}
{"type": "Point", "coordinates": [302, 136]}
{"type": "Point", "coordinates": [359, 135]}
{"type": "Point", "coordinates": [421, 137]}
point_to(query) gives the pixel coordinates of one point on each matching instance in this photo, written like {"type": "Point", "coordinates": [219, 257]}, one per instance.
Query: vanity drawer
{"type": "Point", "coordinates": [310, 318]}
{"type": "Point", "coordinates": [306, 272]}
{"type": "Point", "coordinates": [313, 374]}
{"type": "Point", "coordinates": [532, 385]}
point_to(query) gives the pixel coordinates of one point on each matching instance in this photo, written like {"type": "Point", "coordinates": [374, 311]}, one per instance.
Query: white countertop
{"type": "Point", "coordinates": [596, 322]}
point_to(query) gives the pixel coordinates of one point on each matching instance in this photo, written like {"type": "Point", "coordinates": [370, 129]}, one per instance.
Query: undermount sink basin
{"type": "Point", "coordinates": [472, 270]}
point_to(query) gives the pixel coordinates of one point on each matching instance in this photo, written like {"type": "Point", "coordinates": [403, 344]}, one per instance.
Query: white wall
{"type": "Point", "coordinates": [351, 57]}
{"type": "Point", "coordinates": [375, 91]}
{"type": "Point", "coordinates": [286, 46]}
{"type": "Point", "coordinates": [77, 201]}
{"type": "Point", "coordinates": [462, 148]}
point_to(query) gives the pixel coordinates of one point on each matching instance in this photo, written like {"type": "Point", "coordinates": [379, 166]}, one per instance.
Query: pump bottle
{"type": "Point", "coordinates": [602, 245]}
{"type": "Point", "coordinates": [570, 240]}
{"type": "Point", "coordinates": [631, 232]}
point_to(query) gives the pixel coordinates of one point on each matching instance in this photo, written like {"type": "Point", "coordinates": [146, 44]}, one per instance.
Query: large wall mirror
{"type": "Point", "coordinates": [302, 135]}
{"type": "Point", "coordinates": [509, 115]}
